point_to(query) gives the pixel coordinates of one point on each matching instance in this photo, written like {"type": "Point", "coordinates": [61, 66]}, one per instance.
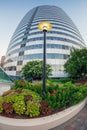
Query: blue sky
{"type": "Point", "coordinates": [12, 11]}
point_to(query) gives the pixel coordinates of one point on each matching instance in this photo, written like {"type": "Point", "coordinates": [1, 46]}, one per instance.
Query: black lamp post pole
{"type": "Point", "coordinates": [44, 63]}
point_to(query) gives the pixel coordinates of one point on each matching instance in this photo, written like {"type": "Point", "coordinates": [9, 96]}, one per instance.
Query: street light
{"type": "Point", "coordinates": [44, 26]}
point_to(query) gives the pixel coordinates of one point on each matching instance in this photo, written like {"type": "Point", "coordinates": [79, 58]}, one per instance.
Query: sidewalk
{"type": "Point", "coordinates": [79, 122]}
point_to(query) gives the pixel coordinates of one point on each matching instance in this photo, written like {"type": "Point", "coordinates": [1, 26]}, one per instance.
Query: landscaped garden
{"type": "Point", "coordinates": [26, 100]}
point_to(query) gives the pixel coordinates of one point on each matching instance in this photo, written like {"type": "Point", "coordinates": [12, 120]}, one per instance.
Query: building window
{"type": "Point", "coordinates": [21, 53]}
{"type": "Point", "coordinates": [9, 60]}
{"type": "Point", "coordinates": [25, 38]}
{"type": "Point", "coordinates": [11, 68]}
{"type": "Point", "coordinates": [19, 62]}
{"type": "Point", "coordinates": [26, 33]}
{"type": "Point", "coordinates": [18, 73]}
{"type": "Point", "coordinates": [65, 56]}
{"type": "Point", "coordinates": [23, 45]}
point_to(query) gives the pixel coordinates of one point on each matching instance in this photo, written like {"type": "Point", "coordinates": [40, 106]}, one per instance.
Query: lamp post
{"type": "Point", "coordinates": [44, 26]}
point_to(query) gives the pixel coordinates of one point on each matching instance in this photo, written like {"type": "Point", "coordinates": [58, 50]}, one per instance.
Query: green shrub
{"type": "Point", "coordinates": [51, 86]}
{"type": "Point", "coordinates": [31, 102]}
{"type": "Point", "coordinates": [76, 98]}
{"type": "Point", "coordinates": [52, 100]}
{"type": "Point", "coordinates": [37, 88]}
{"type": "Point", "coordinates": [19, 107]}
{"type": "Point", "coordinates": [18, 100]}
{"type": "Point", "coordinates": [62, 97]}
{"type": "Point", "coordinates": [65, 80]}
{"type": "Point", "coordinates": [66, 94]}
{"type": "Point", "coordinates": [1, 103]}
{"type": "Point", "coordinates": [32, 109]}
{"type": "Point", "coordinates": [13, 96]}
{"type": "Point", "coordinates": [35, 97]}
{"type": "Point", "coordinates": [1, 99]}
{"type": "Point", "coordinates": [10, 98]}
{"type": "Point", "coordinates": [1, 108]}
{"type": "Point", "coordinates": [22, 84]}
{"type": "Point", "coordinates": [83, 90]}
{"type": "Point", "coordinates": [62, 80]}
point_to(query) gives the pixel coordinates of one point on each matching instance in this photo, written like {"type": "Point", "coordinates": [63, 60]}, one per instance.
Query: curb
{"type": "Point", "coordinates": [43, 123]}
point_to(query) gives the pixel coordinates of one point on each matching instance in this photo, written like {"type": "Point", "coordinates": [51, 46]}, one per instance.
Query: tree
{"type": "Point", "coordinates": [76, 65]}
{"type": "Point", "coordinates": [34, 70]}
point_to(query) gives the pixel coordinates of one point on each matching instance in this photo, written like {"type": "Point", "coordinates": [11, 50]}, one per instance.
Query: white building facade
{"type": "Point", "coordinates": [27, 41]}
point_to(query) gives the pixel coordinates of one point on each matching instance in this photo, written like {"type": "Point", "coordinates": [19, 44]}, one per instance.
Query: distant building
{"type": "Point", "coordinates": [27, 41]}
{"type": "Point", "coordinates": [2, 61]}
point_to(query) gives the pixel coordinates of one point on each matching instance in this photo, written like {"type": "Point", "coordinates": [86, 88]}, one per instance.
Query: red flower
{"type": "Point", "coordinates": [22, 82]}
{"type": "Point", "coordinates": [53, 94]}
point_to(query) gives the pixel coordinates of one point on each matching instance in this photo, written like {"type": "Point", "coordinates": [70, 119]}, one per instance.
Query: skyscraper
{"type": "Point", "coordinates": [27, 41]}
{"type": "Point", "coordinates": [2, 61]}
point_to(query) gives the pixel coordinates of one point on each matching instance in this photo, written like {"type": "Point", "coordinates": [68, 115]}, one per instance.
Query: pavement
{"type": "Point", "coordinates": [79, 122]}
{"type": "Point", "coordinates": [4, 87]}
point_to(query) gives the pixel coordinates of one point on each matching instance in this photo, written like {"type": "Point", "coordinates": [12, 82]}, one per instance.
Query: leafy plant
{"type": "Point", "coordinates": [33, 69]}
{"type": "Point", "coordinates": [1, 102]}
{"type": "Point", "coordinates": [1, 108]}
{"type": "Point", "coordinates": [52, 100]}
{"type": "Point", "coordinates": [77, 97]}
{"type": "Point", "coordinates": [10, 98]}
{"type": "Point", "coordinates": [32, 103]}
{"type": "Point", "coordinates": [37, 89]}
{"type": "Point", "coordinates": [45, 109]}
{"type": "Point", "coordinates": [61, 80]}
{"type": "Point", "coordinates": [18, 101]}
{"type": "Point", "coordinates": [83, 90]}
{"type": "Point", "coordinates": [27, 98]}
{"type": "Point", "coordinates": [21, 84]}
{"type": "Point", "coordinates": [19, 107]}
{"type": "Point", "coordinates": [32, 109]}
{"type": "Point", "coordinates": [8, 108]}
{"type": "Point", "coordinates": [35, 97]}
{"type": "Point", "coordinates": [76, 65]}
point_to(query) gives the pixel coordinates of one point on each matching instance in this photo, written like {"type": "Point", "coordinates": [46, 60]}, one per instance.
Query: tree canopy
{"type": "Point", "coordinates": [76, 65]}
{"type": "Point", "coordinates": [34, 70]}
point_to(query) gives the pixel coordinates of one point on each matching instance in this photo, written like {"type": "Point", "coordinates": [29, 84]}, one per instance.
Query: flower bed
{"type": "Point", "coordinates": [20, 102]}
{"type": "Point", "coordinates": [43, 123]}
{"type": "Point", "coordinates": [25, 100]}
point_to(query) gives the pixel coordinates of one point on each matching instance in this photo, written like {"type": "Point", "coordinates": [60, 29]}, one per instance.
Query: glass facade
{"type": "Point", "coordinates": [4, 78]}
{"type": "Point", "coordinates": [26, 43]}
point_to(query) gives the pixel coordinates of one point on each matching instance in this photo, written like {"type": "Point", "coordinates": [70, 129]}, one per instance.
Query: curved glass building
{"type": "Point", "coordinates": [27, 41]}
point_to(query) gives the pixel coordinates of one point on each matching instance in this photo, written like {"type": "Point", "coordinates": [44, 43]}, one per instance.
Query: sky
{"type": "Point", "coordinates": [12, 11]}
